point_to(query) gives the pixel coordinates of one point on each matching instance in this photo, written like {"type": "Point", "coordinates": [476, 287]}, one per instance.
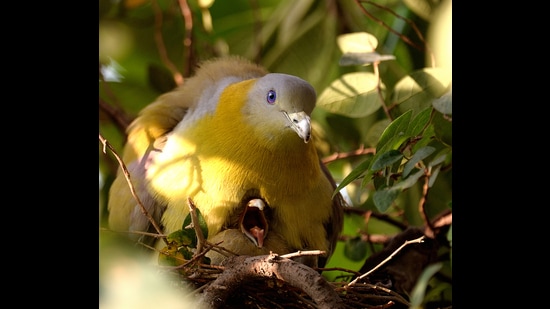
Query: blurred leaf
{"type": "Point", "coordinates": [130, 4]}
{"type": "Point", "coordinates": [357, 42]}
{"type": "Point", "coordinates": [353, 95]}
{"type": "Point", "coordinates": [170, 256]}
{"type": "Point", "coordinates": [422, 8]}
{"type": "Point", "coordinates": [418, 90]}
{"type": "Point", "coordinates": [160, 78]}
{"type": "Point", "coordinates": [355, 249]}
{"type": "Point", "coordinates": [439, 159]}
{"type": "Point", "coordinates": [444, 104]}
{"type": "Point", "coordinates": [433, 176]}
{"type": "Point", "coordinates": [419, 290]}
{"type": "Point", "coordinates": [443, 128]}
{"type": "Point", "coordinates": [205, 3]}
{"type": "Point", "coordinates": [450, 239]}
{"type": "Point", "coordinates": [346, 131]}
{"type": "Point", "coordinates": [363, 58]}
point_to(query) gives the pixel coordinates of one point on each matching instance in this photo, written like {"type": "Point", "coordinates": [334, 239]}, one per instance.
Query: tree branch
{"type": "Point", "coordinates": [240, 269]}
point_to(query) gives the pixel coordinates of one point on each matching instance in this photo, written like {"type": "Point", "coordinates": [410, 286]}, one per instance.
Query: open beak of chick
{"type": "Point", "coordinates": [301, 123]}
{"type": "Point", "coordinates": [253, 222]}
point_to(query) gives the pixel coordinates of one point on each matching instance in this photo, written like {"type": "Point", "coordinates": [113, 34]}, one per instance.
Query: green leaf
{"type": "Point", "coordinates": [185, 237]}
{"type": "Point", "coordinates": [353, 175]}
{"type": "Point", "coordinates": [419, 155]}
{"type": "Point", "coordinates": [353, 95]}
{"type": "Point", "coordinates": [419, 290]}
{"type": "Point", "coordinates": [202, 223]}
{"type": "Point", "coordinates": [355, 249]}
{"type": "Point", "coordinates": [187, 254]}
{"type": "Point", "coordinates": [440, 158]}
{"type": "Point", "coordinates": [420, 122]}
{"type": "Point", "coordinates": [409, 181]}
{"type": "Point", "coordinates": [386, 159]}
{"type": "Point", "coordinates": [396, 129]}
{"type": "Point", "coordinates": [384, 198]}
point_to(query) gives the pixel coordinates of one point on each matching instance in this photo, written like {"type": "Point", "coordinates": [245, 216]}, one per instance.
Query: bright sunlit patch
{"type": "Point", "coordinates": [128, 284]}
{"type": "Point", "coordinates": [111, 71]}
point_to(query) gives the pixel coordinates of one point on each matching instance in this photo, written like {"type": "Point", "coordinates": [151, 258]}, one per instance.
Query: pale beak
{"type": "Point", "coordinates": [301, 124]}
{"type": "Point", "coordinates": [253, 222]}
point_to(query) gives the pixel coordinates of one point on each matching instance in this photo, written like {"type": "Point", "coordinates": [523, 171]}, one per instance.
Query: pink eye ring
{"type": "Point", "coordinates": [271, 96]}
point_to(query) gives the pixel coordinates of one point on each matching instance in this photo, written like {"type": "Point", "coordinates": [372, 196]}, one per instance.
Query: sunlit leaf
{"type": "Point", "coordinates": [184, 237]}
{"type": "Point", "coordinates": [418, 90]}
{"type": "Point", "coordinates": [170, 256]}
{"type": "Point", "coordinates": [205, 3]}
{"type": "Point", "coordinates": [353, 95]}
{"type": "Point", "coordinates": [357, 42]}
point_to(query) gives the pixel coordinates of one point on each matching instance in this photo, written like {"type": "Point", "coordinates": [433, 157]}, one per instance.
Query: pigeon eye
{"type": "Point", "coordinates": [271, 97]}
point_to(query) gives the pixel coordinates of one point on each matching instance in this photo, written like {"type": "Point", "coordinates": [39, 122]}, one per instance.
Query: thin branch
{"type": "Point", "coordinates": [379, 89]}
{"type": "Point", "coordinates": [408, 242]}
{"type": "Point", "coordinates": [380, 22]}
{"type": "Point", "coordinates": [424, 199]}
{"type": "Point", "coordinates": [196, 225]}
{"type": "Point", "coordinates": [178, 78]}
{"type": "Point", "coordinates": [379, 216]}
{"type": "Point", "coordinates": [188, 40]}
{"type": "Point", "coordinates": [131, 185]}
{"type": "Point", "coordinates": [344, 155]}
{"type": "Point", "coordinates": [118, 116]}
{"type": "Point", "coordinates": [303, 253]}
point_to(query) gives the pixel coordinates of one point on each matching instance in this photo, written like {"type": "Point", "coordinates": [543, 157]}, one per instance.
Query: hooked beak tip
{"type": "Point", "coordinates": [301, 124]}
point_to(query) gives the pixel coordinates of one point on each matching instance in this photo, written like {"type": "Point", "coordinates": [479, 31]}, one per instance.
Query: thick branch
{"type": "Point", "coordinates": [243, 268]}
